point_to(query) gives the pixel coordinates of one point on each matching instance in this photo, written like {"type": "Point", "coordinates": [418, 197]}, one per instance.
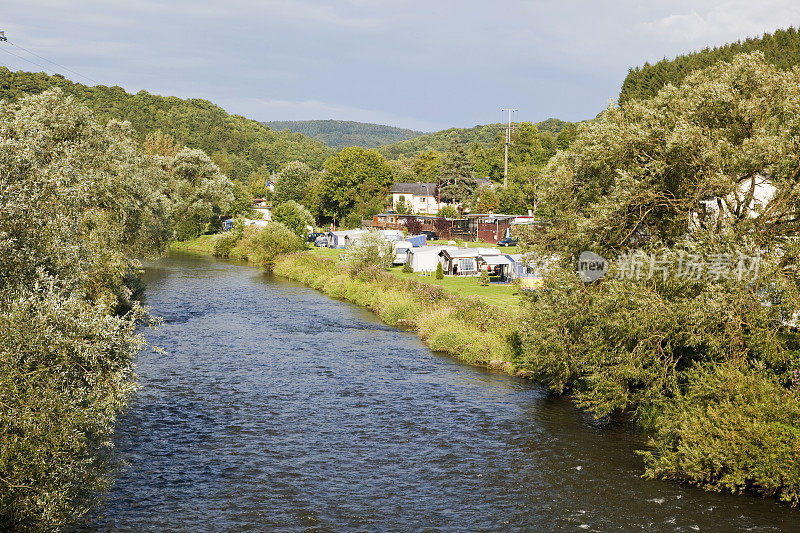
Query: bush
{"type": "Point", "coordinates": [262, 245]}
{"type": "Point", "coordinates": [439, 271]}
{"type": "Point", "coordinates": [448, 211]}
{"type": "Point", "coordinates": [370, 250]}
{"type": "Point", "coordinates": [733, 429]}
{"type": "Point", "coordinates": [414, 226]}
{"type": "Point", "coordinates": [407, 269]}
{"type": "Point", "coordinates": [484, 279]}
{"type": "Point", "coordinates": [294, 216]}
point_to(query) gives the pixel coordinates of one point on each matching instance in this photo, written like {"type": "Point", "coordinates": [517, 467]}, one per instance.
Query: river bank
{"type": "Point", "coordinates": [752, 448]}
{"type": "Point", "coordinates": [467, 327]}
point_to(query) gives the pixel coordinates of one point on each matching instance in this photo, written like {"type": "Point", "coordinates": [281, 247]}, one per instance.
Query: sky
{"type": "Point", "coordinates": [425, 65]}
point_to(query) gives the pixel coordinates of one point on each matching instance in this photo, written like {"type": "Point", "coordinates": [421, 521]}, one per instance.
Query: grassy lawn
{"type": "Point", "coordinates": [501, 295]}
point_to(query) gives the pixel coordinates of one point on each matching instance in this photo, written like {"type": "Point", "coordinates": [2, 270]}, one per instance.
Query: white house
{"type": "Point", "coordinates": [419, 197]}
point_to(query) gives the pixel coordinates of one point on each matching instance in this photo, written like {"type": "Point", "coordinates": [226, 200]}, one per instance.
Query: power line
{"type": "Point", "coordinates": [23, 58]}
{"type": "Point", "coordinates": [56, 64]}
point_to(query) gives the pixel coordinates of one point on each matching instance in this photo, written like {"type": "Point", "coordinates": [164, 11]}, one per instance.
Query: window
{"type": "Point", "coordinates": [466, 264]}
{"type": "Point", "coordinates": [422, 200]}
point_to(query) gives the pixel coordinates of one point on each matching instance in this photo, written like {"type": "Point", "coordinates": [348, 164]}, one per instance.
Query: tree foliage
{"type": "Point", "coordinates": [781, 48]}
{"type": "Point", "coordinates": [458, 184]}
{"type": "Point", "coordinates": [355, 184]}
{"type": "Point", "coordinates": [295, 182]}
{"type": "Point", "coordinates": [700, 358]}
{"type": "Point", "coordinates": [294, 216]}
{"type": "Point", "coordinates": [77, 202]}
{"type": "Point", "coordinates": [239, 146]}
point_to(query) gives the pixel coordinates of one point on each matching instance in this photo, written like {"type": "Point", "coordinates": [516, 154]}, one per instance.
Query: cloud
{"type": "Point", "coordinates": [723, 22]}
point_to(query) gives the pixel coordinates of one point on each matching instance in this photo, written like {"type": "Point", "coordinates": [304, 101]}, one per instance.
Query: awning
{"type": "Point", "coordinates": [495, 260]}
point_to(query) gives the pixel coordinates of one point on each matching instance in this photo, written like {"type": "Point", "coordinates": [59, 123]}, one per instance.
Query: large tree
{"type": "Point", "coordinates": [355, 184]}
{"type": "Point", "coordinates": [77, 203]}
{"type": "Point", "coordinates": [458, 184]}
{"type": "Point", "coordinates": [294, 182]}
{"type": "Point", "coordinates": [693, 328]}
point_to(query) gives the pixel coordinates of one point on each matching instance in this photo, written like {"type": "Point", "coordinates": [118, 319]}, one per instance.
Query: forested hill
{"type": "Point", "coordinates": [781, 48]}
{"type": "Point", "coordinates": [441, 140]}
{"type": "Point", "coordinates": [238, 145]}
{"type": "Point", "coordinates": [344, 133]}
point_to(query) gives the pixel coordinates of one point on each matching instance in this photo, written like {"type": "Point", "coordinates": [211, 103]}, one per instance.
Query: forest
{"type": "Point", "coordinates": [343, 133]}
{"type": "Point", "coordinates": [780, 48]}
{"type": "Point", "coordinates": [239, 146]}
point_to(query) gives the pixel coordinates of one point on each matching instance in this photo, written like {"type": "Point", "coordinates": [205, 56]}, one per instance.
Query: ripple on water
{"type": "Point", "coordinates": [277, 408]}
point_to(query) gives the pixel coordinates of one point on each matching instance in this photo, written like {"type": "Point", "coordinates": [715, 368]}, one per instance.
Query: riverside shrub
{"type": "Point", "coordinates": [372, 249]}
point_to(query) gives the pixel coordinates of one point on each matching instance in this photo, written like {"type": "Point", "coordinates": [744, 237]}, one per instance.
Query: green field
{"type": "Point", "coordinates": [503, 295]}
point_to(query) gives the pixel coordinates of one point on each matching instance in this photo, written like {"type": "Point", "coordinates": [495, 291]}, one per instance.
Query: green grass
{"type": "Point", "coordinates": [202, 244]}
{"type": "Point", "coordinates": [502, 295]}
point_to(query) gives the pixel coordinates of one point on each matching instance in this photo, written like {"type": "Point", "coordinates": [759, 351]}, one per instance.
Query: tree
{"type": "Point", "coordinates": [488, 201]}
{"type": "Point", "coordinates": [458, 183]}
{"type": "Point", "coordinates": [355, 184]}
{"type": "Point", "coordinates": [78, 202]}
{"type": "Point", "coordinates": [414, 226]}
{"type": "Point", "coordinates": [294, 216]}
{"type": "Point", "coordinates": [704, 356]}
{"type": "Point", "coordinates": [448, 211]}
{"type": "Point", "coordinates": [372, 249]}
{"type": "Point", "coordinates": [402, 206]}
{"type": "Point", "coordinates": [294, 182]}
{"type": "Point", "coordinates": [428, 166]}
{"type": "Point", "coordinates": [200, 192]}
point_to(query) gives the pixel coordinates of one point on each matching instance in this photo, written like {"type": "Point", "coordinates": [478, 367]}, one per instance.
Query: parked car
{"type": "Point", "coordinates": [431, 235]}
{"type": "Point", "coordinates": [312, 237]}
{"type": "Point", "coordinates": [321, 241]}
{"type": "Point", "coordinates": [508, 241]}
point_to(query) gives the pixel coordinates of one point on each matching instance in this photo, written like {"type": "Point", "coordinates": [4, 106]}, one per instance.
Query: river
{"type": "Point", "coordinates": [278, 408]}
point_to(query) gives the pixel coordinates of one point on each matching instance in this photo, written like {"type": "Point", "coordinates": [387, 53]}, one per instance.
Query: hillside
{"type": "Point", "coordinates": [343, 133]}
{"type": "Point", "coordinates": [781, 48]}
{"type": "Point", "coordinates": [441, 140]}
{"type": "Point", "coordinates": [239, 145]}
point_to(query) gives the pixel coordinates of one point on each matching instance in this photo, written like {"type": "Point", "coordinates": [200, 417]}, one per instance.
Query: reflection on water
{"type": "Point", "coordinates": [277, 408]}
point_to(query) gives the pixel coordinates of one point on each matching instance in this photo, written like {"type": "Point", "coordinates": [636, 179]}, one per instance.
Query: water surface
{"type": "Point", "coordinates": [278, 408]}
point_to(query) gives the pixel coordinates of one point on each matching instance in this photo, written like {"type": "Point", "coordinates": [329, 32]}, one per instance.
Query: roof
{"type": "Point", "coordinates": [471, 252]}
{"type": "Point", "coordinates": [415, 189]}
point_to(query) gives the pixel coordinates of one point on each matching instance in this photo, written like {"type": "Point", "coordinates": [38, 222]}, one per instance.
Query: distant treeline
{"type": "Point", "coordinates": [238, 145]}
{"type": "Point", "coordinates": [781, 48]}
{"type": "Point", "coordinates": [344, 133]}
{"type": "Point", "coordinates": [441, 140]}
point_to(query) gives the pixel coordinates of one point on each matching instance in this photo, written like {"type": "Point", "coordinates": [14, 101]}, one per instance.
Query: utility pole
{"type": "Point", "coordinates": [508, 142]}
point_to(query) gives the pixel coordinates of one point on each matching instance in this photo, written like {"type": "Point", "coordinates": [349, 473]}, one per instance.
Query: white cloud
{"type": "Point", "coordinates": [723, 22]}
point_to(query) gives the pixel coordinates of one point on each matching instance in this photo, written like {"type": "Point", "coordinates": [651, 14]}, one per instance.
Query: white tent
{"type": "Point", "coordinates": [425, 258]}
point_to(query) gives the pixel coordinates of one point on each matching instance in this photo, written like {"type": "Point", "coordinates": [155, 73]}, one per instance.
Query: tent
{"type": "Point", "coordinates": [425, 259]}
{"type": "Point", "coordinates": [418, 240]}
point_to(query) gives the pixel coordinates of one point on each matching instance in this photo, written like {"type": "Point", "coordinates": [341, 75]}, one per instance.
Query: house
{"type": "Point", "coordinates": [262, 209]}
{"type": "Point", "coordinates": [486, 227]}
{"type": "Point", "coordinates": [418, 197]}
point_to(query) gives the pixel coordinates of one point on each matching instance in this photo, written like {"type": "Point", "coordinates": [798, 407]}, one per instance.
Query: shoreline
{"type": "Point", "coordinates": [467, 328]}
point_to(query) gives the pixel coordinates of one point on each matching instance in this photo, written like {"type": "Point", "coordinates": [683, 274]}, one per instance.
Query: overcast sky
{"type": "Point", "coordinates": [425, 65]}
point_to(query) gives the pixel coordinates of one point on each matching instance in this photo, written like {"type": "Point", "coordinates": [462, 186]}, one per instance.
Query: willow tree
{"type": "Point", "coordinates": [77, 203]}
{"type": "Point", "coordinates": [694, 197]}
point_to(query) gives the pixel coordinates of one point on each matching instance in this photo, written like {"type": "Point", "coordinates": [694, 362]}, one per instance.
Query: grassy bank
{"type": "Point", "coordinates": [203, 244]}
{"type": "Point", "coordinates": [468, 328]}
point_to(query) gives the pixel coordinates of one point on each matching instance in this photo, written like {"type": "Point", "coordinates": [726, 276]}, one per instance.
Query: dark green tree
{"type": "Point", "coordinates": [458, 184]}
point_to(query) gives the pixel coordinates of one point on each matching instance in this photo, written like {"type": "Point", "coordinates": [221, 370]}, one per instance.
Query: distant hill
{"type": "Point", "coordinates": [781, 48]}
{"type": "Point", "coordinates": [441, 140]}
{"type": "Point", "coordinates": [344, 133]}
{"type": "Point", "coordinates": [239, 145]}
